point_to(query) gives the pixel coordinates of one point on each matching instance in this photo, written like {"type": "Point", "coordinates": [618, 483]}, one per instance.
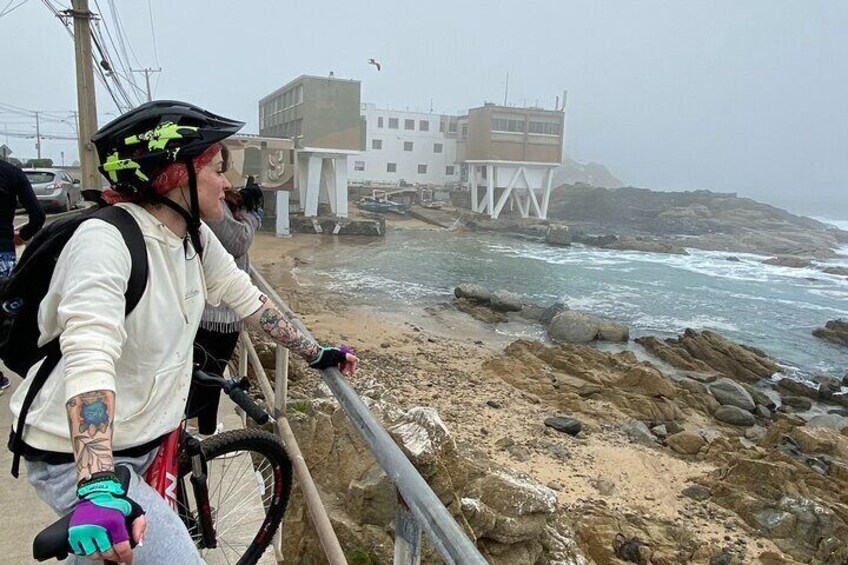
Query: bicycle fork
{"type": "Point", "coordinates": [203, 523]}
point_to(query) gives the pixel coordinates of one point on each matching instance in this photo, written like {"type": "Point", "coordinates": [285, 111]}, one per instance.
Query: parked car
{"type": "Point", "coordinates": [55, 189]}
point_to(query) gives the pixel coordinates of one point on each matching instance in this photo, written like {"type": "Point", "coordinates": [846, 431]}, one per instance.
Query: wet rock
{"type": "Point", "coordinates": [686, 443]}
{"type": "Point", "coordinates": [797, 388]}
{"type": "Point", "coordinates": [838, 412]}
{"type": "Point", "coordinates": [479, 311]}
{"type": "Point", "coordinates": [789, 261]}
{"type": "Point", "coordinates": [639, 433]}
{"type": "Point", "coordinates": [828, 387]}
{"type": "Point", "coordinates": [840, 271]}
{"type": "Point", "coordinates": [573, 327]}
{"type": "Point", "coordinates": [558, 235]}
{"type": "Point", "coordinates": [834, 331]}
{"type": "Point", "coordinates": [733, 259]}
{"type": "Point", "coordinates": [798, 403]}
{"type": "Point", "coordinates": [709, 352]}
{"type": "Point", "coordinates": [697, 492]}
{"type": "Point", "coordinates": [551, 312]}
{"type": "Point", "coordinates": [791, 419]}
{"type": "Point", "coordinates": [673, 427]}
{"type": "Point", "coordinates": [731, 393]}
{"type": "Point", "coordinates": [504, 301]}
{"type": "Point", "coordinates": [735, 416]}
{"type": "Point", "coordinates": [531, 312]}
{"type": "Point", "coordinates": [565, 425]}
{"type": "Point", "coordinates": [473, 292]}
{"type": "Point", "coordinates": [613, 332]}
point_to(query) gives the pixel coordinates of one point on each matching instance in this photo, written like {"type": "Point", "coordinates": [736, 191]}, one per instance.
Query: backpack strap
{"type": "Point", "coordinates": [136, 284]}
{"type": "Point", "coordinates": [126, 224]}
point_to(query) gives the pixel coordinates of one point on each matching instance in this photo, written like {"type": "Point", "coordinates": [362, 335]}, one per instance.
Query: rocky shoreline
{"type": "Point", "coordinates": [564, 453]}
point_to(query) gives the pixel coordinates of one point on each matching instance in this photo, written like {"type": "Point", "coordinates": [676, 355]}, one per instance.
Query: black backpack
{"type": "Point", "coordinates": [22, 293]}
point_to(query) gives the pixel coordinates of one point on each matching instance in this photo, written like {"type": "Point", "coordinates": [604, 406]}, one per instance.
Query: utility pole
{"type": "Point", "coordinates": [37, 137]}
{"type": "Point", "coordinates": [86, 96]}
{"type": "Point", "coordinates": [147, 72]}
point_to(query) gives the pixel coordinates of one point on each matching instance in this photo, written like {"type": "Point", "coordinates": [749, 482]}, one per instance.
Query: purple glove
{"type": "Point", "coordinates": [104, 515]}
{"type": "Point", "coordinates": [331, 357]}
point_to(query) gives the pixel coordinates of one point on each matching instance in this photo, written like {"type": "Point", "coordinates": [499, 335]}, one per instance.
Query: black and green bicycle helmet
{"type": "Point", "coordinates": [135, 147]}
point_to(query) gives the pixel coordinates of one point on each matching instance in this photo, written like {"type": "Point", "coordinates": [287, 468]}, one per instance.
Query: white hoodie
{"type": "Point", "coordinates": [146, 357]}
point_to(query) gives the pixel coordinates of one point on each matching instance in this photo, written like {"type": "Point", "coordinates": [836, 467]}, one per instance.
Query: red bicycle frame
{"type": "Point", "coordinates": [164, 472]}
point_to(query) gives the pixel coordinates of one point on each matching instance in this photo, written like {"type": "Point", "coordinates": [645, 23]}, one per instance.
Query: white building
{"type": "Point", "coordinates": [414, 147]}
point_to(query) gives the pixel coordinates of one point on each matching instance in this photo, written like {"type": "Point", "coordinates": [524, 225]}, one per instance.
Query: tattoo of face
{"type": "Point", "coordinates": [94, 414]}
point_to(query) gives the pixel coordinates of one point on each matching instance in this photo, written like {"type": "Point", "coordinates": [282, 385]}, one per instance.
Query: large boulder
{"type": "Point", "coordinates": [558, 235]}
{"type": "Point", "coordinates": [735, 416]}
{"type": "Point", "coordinates": [473, 292]}
{"type": "Point", "coordinates": [797, 388]}
{"type": "Point", "coordinates": [573, 327]}
{"type": "Point", "coordinates": [504, 301]}
{"type": "Point", "coordinates": [834, 331]}
{"type": "Point", "coordinates": [830, 421]}
{"type": "Point", "coordinates": [686, 443]}
{"type": "Point", "coordinates": [550, 313]}
{"type": "Point", "coordinates": [731, 393]}
{"type": "Point", "coordinates": [788, 261]}
{"type": "Point", "coordinates": [709, 352]}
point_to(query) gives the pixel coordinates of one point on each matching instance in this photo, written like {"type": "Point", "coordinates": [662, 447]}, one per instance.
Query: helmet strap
{"type": "Point", "coordinates": [194, 219]}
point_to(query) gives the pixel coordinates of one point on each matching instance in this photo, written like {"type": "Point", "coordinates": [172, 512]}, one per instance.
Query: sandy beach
{"type": "Point", "coordinates": [440, 359]}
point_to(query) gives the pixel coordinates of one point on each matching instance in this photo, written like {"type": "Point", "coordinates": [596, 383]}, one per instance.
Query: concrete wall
{"type": "Point", "coordinates": [484, 142]}
{"type": "Point", "coordinates": [314, 111]}
{"type": "Point", "coordinates": [393, 140]}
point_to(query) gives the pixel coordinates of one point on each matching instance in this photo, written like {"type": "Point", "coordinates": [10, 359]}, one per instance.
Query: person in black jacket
{"type": "Point", "coordinates": [14, 188]}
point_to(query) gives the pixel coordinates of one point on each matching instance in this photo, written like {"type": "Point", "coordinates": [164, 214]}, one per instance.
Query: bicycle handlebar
{"type": "Point", "coordinates": [235, 389]}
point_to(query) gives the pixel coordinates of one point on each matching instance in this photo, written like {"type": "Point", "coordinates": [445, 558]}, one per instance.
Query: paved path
{"type": "Point", "coordinates": [23, 513]}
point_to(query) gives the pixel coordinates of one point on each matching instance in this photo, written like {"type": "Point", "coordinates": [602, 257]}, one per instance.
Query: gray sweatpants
{"type": "Point", "coordinates": [166, 540]}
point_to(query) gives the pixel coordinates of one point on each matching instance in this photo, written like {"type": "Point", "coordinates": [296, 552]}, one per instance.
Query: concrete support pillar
{"type": "Point", "coordinates": [472, 183]}
{"type": "Point", "coordinates": [312, 188]}
{"type": "Point", "coordinates": [282, 226]}
{"type": "Point", "coordinates": [490, 190]}
{"type": "Point", "coordinates": [341, 187]}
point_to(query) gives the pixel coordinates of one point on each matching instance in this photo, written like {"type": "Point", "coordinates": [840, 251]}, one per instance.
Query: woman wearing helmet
{"type": "Point", "coordinates": [122, 382]}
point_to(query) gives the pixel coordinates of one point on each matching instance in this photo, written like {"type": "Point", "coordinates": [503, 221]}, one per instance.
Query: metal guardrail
{"type": "Point", "coordinates": [419, 508]}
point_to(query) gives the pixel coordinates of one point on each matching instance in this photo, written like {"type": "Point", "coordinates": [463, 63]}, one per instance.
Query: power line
{"type": "Point", "coordinates": [153, 34]}
{"type": "Point", "coordinates": [7, 10]}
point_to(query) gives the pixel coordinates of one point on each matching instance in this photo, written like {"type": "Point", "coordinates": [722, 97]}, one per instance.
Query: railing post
{"type": "Point", "coordinates": [407, 536]}
{"type": "Point", "coordinates": [281, 381]}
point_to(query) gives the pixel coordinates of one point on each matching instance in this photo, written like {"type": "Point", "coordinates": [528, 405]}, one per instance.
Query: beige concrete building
{"type": "Point", "coordinates": [322, 116]}
{"type": "Point", "coordinates": [509, 154]}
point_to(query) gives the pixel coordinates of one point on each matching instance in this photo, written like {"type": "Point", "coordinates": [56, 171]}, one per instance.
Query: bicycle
{"type": "Point", "coordinates": [215, 508]}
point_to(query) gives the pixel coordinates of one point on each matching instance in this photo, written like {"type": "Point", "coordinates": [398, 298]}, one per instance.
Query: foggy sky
{"type": "Point", "coordinates": [750, 96]}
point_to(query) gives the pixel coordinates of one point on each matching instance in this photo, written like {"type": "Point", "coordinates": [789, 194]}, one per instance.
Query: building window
{"type": "Point", "coordinates": [441, 126]}
{"type": "Point", "coordinates": [464, 131]}
{"type": "Point", "coordinates": [376, 144]}
{"type": "Point", "coordinates": [393, 123]}
{"type": "Point", "coordinates": [298, 94]}
{"type": "Point", "coordinates": [508, 126]}
{"type": "Point", "coordinates": [359, 166]}
{"type": "Point", "coordinates": [407, 146]}
{"type": "Point", "coordinates": [545, 128]}
{"type": "Point", "coordinates": [409, 124]}
{"type": "Point", "coordinates": [422, 169]}
{"type": "Point", "coordinates": [424, 125]}
{"type": "Point", "coordinates": [449, 170]}
{"type": "Point", "coordinates": [452, 127]}
{"type": "Point", "coordinates": [437, 148]}
{"type": "Point", "coordinates": [380, 122]}
{"type": "Point", "coordinates": [391, 167]}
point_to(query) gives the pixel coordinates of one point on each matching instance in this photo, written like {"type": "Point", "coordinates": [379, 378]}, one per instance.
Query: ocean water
{"type": "Point", "coordinates": [773, 308]}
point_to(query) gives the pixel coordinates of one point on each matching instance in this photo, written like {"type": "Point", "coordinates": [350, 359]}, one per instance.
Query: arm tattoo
{"type": "Point", "coordinates": [279, 326]}
{"type": "Point", "coordinates": [90, 417]}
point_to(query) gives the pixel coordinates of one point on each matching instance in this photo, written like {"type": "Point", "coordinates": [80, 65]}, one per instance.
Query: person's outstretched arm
{"type": "Point", "coordinates": [33, 209]}
{"type": "Point", "coordinates": [280, 325]}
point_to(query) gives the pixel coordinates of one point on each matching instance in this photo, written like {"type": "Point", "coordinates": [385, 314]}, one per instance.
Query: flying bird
{"type": "Point", "coordinates": [375, 63]}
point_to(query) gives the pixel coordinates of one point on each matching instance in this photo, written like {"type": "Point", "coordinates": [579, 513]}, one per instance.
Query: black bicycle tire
{"type": "Point", "coordinates": [269, 446]}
